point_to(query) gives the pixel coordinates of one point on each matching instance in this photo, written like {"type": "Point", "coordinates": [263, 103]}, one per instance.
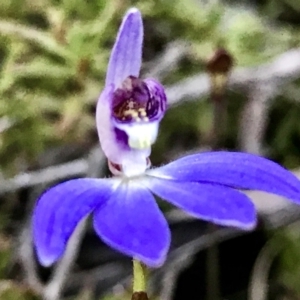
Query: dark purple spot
{"type": "Point", "coordinates": [137, 101]}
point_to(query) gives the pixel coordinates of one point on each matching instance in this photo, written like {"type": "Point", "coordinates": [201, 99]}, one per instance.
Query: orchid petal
{"type": "Point", "coordinates": [126, 56]}
{"type": "Point", "coordinates": [60, 209]}
{"type": "Point", "coordinates": [215, 203]}
{"type": "Point", "coordinates": [234, 169]}
{"type": "Point", "coordinates": [157, 92]}
{"type": "Point", "coordinates": [111, 143]}
{"type": "Point", "coordinates": [132, 223]}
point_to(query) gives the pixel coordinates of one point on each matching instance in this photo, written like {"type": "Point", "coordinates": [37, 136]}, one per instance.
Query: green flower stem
{"type": "Point", "coordinates": [139, 277]}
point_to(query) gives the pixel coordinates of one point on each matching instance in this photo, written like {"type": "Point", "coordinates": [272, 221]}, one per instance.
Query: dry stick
{"type": "Point", "coordinates": [47, 175]}
{"type": "Point", "coordinates": [259, 280]}
{"type": "Point", "coordinates": [168, 282]}
{"type": "Point", "coordinates": [254, 117]}
{"type": "Point", "coordinates": [104, 273]}
{"type": "Point", "coordinates": [53, 289]}
{"type": "Point", "coordinates": [258, 287]}
{"type": "Point", "coordinates": [175, 265]}
{"type": "Point", "coordinates": [25, 251]}
{"type": "Point", "coordinates": [25, 254]}
{"type": "Point", "coordinates": [168, 60]}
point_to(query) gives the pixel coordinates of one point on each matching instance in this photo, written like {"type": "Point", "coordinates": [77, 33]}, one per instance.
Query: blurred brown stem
{"type": "Point", "coordinates": [216, 134]}
{"type": "Point", "coordinates": [218, 67]}
{"type": "Point", "coordinates": [139, 296]}
{"type": "Point", "coordinates": [219, 120]}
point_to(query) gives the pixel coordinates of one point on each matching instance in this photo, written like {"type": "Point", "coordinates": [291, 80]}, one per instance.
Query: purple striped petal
{"type": "Point", "coordinates": [111, 143]}
{"type": "Point", "coordinates": [60, 209]}
{"type": "Point", "coordinates": [234, 169]}
{"type": "Point", "coordinates": [132, 223]}
{"type": "Point", "coordinates": [215, 203]}
{"type": "Point", "coordinates": [126, 56]}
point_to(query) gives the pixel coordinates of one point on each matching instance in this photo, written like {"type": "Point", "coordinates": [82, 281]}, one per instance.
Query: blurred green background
{"type": "Point", "coordinates": [53, 58]}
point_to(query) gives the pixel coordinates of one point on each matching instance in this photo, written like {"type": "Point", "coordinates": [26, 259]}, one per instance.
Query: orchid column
{"type": "Point", "coordinates": [129, 109]}
{"type": "Point", "coordinates": [125, 214]}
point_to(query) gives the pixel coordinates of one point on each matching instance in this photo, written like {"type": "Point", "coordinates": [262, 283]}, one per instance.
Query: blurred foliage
{"type": "Point", "coordinates": [53, 58]}
{"type": "Point", "coordinates": [12, 291]}
{"type": "Point", "coordinates": [289, 267]}
{"type": "Point", "coordinates": [282, 253]}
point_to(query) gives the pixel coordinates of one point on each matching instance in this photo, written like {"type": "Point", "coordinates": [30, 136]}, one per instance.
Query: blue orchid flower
{"type": "Point", "coordinates": [125, 214]}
